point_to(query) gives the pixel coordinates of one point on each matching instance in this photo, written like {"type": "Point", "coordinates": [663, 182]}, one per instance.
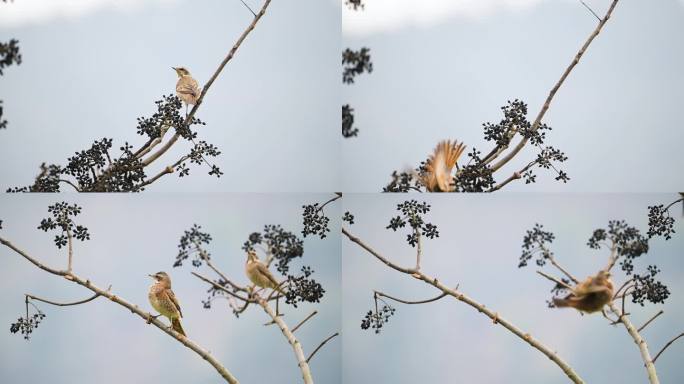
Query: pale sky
{"type": "Point", "coordinates": [478, 248]}
{"type": "Point", "coordinates": [131, 237]}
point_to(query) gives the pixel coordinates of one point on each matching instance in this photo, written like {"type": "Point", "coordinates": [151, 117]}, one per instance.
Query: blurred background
{"type": "Point", "coordinates": [131, 237]}
{"type": "Point", "coordinates": [478, 248]}
{"type": "Point", "coordinates": [442, 68]}
{"type": "Point", "coordinates": [91, 68]}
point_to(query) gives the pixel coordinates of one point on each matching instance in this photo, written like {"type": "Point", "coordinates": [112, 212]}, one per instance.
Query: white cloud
{"type": "Point", "coordinates": [21, 12]}
{"type": "Point", "coordinates": [388, 15]}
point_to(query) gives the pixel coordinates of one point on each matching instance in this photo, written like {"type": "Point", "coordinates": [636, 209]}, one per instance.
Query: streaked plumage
{"type": "Point", "coordinates": [437, 176]}
{"type": "Point", "coordinates": [187, 88]}
{"type": "Point", "coordinates": [589, 296]}
{"type": "Point", "coordinates": [258, 273]}
{"type": "Point", "coordinates": [164, 301]}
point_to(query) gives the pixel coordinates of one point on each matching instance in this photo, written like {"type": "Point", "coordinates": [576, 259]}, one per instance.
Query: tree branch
{"type": "Point", "coordinates": [443, 294]}
{"type": "Point", "coordinates": [556, 280]}
{"type": "Point", "coordinates": [225, 61]}
{"type": "Point", "coordinates": [572, 375]}
{"type": "Point", "coordinates": [552, 93]}
{"type": "Point", "coordinates": [296, 346]}
{"type": "Point", "coordinates": [296, 327]}
{"type": "Point", "coordinates": [649, 322]}
{"type": "Point", "coordinates": [95, 296]}
{"type": "Point", "coordinates": [640, 342]}
{"type": "Point", "coordinates": [667, 345]}
{"type": "Point", "coordinates": [321, 346]}
{"type": "Point", "coordinates": [134, 309]}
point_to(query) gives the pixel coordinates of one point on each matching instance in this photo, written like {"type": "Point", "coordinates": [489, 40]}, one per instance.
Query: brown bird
{"type": "Point", "coordinates": [164, 301]}
{"type": "Point", "coordinates": [187, 88]}
{"type": "Point", "coordinates": [590, 295]}
{"type": "Point", "coordinates": [258, 273]}
{"type": "Point", "coordinates": [437, 176]}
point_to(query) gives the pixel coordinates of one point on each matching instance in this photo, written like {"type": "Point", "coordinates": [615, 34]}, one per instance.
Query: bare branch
{"type": "Point", "coordinates": [552, 93]}
{"type": "Point", "coordinates": [368, 249]}
{"type": "Point", "coordinates": [296, 327]}
{"type": "Point", "coordinates": [643, 347]}
{"type": "Point", "coordinates": [496, 318]}
{"type": "Point", "coordinates": [95, 296]}
{"type": "Point", "coordinates": [667, 345]}
{"type": "Point", "coordinates": [31, 259]}
{"type": "Point", "coordinates": [154, 156]}
{"type": "Point", "coordinates": [443, 294]}
{"type": "Point", "coordinates": [649, 322]}
{"type": "Point", "coordinates": [590, 10]}
{"type": "Point", "coordinates": [321, 346]}
{"type": "Point", "coordinates": [296, 345]}
{"type": "Point", "coordinates": [556, 280]}
{"type": "Point", "coordinates": [222, 288]}
{"type": "Point", "coordinates": [134, 309]}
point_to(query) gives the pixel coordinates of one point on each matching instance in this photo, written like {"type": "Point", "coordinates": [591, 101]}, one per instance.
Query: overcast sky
{"type": "Point", "coordinates": [479, 245]}
{"type": "Point", "coordinates": [132, 236]}
{"type": "Point", "coordinates": [91, 68]}
{"type": "Point", "coordinates": [442, 68]}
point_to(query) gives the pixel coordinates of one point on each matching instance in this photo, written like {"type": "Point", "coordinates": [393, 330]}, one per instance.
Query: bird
{"type": "Point", "coordinates": [437, 176]}
{"type": "Point", "coordinates": [590, 295]}
{"type": "Point", "coordinates": [187, 88]}
{"type": "Point", "coordinates": [164, 301]}
{"type": "Point", "coordinates": [258, 273]}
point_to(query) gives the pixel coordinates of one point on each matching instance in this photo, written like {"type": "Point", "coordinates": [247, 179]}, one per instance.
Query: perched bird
{"type": "Point", "coordinates": [258, 273]}
{"type": "Point", "coordinates": [437, 176]}
{"type": "Point", "coordinates": [590, 295]}
{"type": "Point", "coordinates": [187, 88]}
{"type": "Point", "coordinates": [164, 301]}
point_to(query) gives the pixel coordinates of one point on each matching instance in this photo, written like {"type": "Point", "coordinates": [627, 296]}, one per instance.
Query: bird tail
{"type": "Point", "coordinates": [440, 164]}
{"type": "Point", "coordinates": [176, 325]}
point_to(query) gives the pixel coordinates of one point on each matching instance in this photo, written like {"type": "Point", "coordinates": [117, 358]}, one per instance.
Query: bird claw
{"type": "Point", "coordinates": [150, 318]}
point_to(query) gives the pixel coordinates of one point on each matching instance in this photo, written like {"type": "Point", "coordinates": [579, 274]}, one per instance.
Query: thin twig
{"type": "Point", "coordinates": [95, 296]}
{"type": "Point", "coordinates": [556, 280]}
{"type": "Point", "coordinates": [321, 346]}
{"type": "Point", "coordinates": [296, 327]}
{"type": "Point", "coordinates": [70, 183]}
{"type": "Point", "coordinates": [565, 272]}
{"type": "Point", "coordinates": [250, 9]}
{"type": "Point", "coordinates": [443, 294]}
{"type": "Point", "coordinates": [222, 288]}
{"type": "Point", "coordinates": [590, 10]}
{"type": "Point", "coordinates": [667, 345]}
{"type": "Point", "coordinates": [650, 320]}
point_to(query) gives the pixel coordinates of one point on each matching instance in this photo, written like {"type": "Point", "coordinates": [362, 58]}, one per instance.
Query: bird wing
{"type": "Point", "coordinates": [188, 87]}
{"type": "Point", "coordinates": [172, 296]}
{"type": "Point", "coordinates": [263, 269]}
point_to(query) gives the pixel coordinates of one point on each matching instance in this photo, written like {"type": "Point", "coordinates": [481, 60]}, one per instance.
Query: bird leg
{"type": "Point", "coordinates": [150, 318]}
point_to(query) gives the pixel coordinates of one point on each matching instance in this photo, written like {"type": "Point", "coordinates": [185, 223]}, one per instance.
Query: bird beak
{"type": "Point", "coordinates": [152, 276]}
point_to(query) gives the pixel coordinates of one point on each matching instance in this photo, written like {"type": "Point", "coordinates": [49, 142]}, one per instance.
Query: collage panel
{"type": "Point", "coordinates": [525, 96]}
{"type": "Point", "coordinates": [481, 308]}
{"type": "Point", "coordinates": [125, 247]}
{"type": "Point", "coordinates": [170, 95]}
